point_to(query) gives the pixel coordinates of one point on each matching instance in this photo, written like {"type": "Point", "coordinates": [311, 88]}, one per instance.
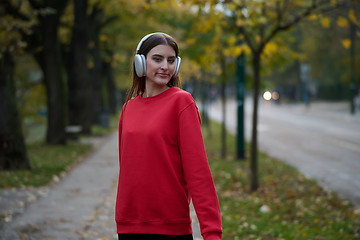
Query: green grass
{"type": "Point", "coordinates": [46, 162]}
{"type": "Point", "coordinates": [298, 207]}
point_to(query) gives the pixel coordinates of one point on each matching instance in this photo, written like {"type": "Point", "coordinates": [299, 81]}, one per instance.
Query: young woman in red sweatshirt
{"type": "Point", "coordinates": [163, 164]}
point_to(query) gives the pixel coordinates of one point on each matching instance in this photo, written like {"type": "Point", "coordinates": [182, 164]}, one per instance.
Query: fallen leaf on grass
{"type": "Point", "coordinates": [265, 209]}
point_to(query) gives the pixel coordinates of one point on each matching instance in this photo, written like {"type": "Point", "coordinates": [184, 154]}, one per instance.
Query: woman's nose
{"type": "Point", "coordinates": [164, 65]}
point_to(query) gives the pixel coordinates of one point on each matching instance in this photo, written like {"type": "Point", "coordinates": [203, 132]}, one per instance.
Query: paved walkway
{"type": "Point", "coordinates": [80, 206]}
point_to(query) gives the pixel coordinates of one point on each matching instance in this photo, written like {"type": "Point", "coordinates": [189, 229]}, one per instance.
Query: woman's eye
{"type": "Point", "coordinates": [157, 59]}
{"type": "Point", "coordinates": [171, 61]}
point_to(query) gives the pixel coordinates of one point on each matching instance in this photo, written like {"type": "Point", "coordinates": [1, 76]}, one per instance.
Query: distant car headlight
{"type": "Point", "coordinates": [267, 95]}
{"type": "Point", "coordinates": [275, 95]}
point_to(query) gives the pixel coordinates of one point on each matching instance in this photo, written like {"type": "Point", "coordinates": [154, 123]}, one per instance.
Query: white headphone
{"type": "Point", "coordinates": [140, 60]}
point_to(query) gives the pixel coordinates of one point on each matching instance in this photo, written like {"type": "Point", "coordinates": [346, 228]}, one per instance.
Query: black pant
{"type": "Point", "coordinates": [154, 237]}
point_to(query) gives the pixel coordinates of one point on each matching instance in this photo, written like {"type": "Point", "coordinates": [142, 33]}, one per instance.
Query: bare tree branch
{"type": "Point", "coordinates": [309, 10]}
{"type": "Point", "coordinates": [247, 38]}
{"type": "Point", "coordinates": [96, 10]}
{"type": "Point", "coordinates": [262, 26]}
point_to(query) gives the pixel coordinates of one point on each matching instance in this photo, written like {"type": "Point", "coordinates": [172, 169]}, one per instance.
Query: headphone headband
{"type": "Point", "coordinates": [146, 37]}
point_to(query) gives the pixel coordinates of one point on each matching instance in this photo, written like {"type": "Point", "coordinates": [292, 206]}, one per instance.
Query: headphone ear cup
{"type": "Point", "coordinates": [177, 66]}
{"type": "Point", "coordinates": [140, 65]}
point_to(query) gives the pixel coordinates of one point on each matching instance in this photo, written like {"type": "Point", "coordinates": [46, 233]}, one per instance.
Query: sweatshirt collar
{"type": "Point", "coordinates": [158, 96]}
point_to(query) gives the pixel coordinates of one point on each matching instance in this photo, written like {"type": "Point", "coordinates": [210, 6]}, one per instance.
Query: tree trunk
{"type": "Point", "coordinates": [254, 183]}
{"type": "Point", "coordinates": [223, 127]}
{"type": "Point", "coordinates": [223, 103]}
{"type": "Point", "coordinates": [55, 87]}
{"type": "Point", "coordinates": [46, 35]}
{"type": "Point", "coordinates": [13, 153]}
{"type": "Point", "coordinates": [110, 86]}
{"type": "Point", "coordinates": [96, 78]}
{"type": "Point", "coordinates": [79, 89]}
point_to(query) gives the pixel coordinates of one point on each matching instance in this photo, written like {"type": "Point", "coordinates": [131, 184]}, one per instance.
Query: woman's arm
{"type": "Point", "coordinates": [197, 173]}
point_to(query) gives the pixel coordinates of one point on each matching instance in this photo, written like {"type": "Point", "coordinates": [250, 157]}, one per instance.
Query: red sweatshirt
{"type": "Point", "coordinates": [163, 165]}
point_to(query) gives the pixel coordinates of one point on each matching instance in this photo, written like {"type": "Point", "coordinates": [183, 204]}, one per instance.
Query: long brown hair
{"type": "Point", "coordinates": [138, 85]}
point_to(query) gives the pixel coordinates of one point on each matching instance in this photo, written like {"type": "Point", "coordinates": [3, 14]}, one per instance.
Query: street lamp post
{"type": "Point", "coordinates": [352, 54]}
{"type": "Point", "coordinates": [305, 77]}
{"type": "Point", "coordinates": [240, 82]}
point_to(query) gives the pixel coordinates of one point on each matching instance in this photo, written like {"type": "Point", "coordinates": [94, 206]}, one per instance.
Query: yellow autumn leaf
{"type": "Point", "coordinates": [333, 2]}
{"type": "Point", "coordinates": [270, 48]}
{"type": "Point", "coordinates": [227, 52]}
{"type": "Point", "coordinates": [231, 7]}
{"type": "Point", "coordinates": [146, 6]}
{"type": "Point", "coordinates": [246, 49]}
{"type": "Point", "coordinates": [231, 40]}
{"type": "Point", "coordinates": [325, 22]}
{"type": "Point", "coordinates": [276, 218]}
{"type": "Point", "coordinates": [103, 38]}
{"type": "Point", "coordinates": [90, 64]}
{"type": "Point", "coordinates": [342, 22]}
{"type": "Point", "coordinates": [233, 51]}
{"type": "Point", "coordinates": [312, 17]}
{"type": "Point", "coordinates": [240, 22]}
{"type": "Point", "coordinates": [120, 58]}
{"type": "Point", "coordinates": [236, 51]}
{"type": "Point", "coordinates": [352, 16]}
{"type": "Point", "coordinates": [346, 43]}
{"type": "Point", "coordinates": [300, 3]}
{"type": "Point", "coordinates": [262, 20]}
{"type": "Point", "coordinates": [190, 41]}
{"type": "Point", "coordinates": [217, 71]}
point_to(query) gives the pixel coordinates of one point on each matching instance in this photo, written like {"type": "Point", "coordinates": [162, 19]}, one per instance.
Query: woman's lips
{"type": "Point", "coordinates": [163, 74]}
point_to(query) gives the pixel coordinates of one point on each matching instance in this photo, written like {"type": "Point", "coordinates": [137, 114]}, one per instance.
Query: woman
{"type": "Point", "coordinates": [162, 158]}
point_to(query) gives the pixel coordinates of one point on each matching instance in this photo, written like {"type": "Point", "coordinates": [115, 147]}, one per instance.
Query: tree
{"type": "Point", "coordinates": [354, 27]}
{"type": "Point", "coordinates": [13, 152]}
{"type": "Point", "coordinates": [45, 36]}
{"type": "Point", "coordinates": [212, 43]}
{"type": "Point", "coordinates": [259, 22]}
{"type": "Point", "coordinates": [88, 61]}
{"type": "Point", "coordinates": [43, 43]}
{"type": "Point", "coordinates": [103, 15]}
{"type": "Point", "coordinates": [79, 90]}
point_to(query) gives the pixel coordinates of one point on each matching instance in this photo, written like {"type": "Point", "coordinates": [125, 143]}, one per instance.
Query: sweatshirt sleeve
{"type": "Point", "coordinates": [197, 173]}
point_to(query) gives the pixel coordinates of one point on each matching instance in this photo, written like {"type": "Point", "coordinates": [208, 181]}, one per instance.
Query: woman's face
{"type": "Point", "coordinates": [160, 65]}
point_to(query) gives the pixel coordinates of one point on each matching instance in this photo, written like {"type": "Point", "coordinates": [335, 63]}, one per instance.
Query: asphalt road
{"type": "Point", "coordinates": [321, 140]}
